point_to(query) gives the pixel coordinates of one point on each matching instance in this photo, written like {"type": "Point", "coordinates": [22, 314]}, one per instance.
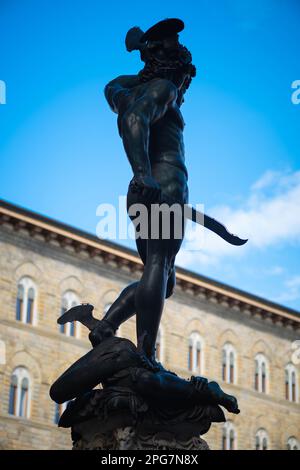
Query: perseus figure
{"type": "Point", "coordinates": [151, 127]}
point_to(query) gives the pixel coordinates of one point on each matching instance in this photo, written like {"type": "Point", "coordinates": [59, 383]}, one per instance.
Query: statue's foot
{"type": "Point", "coordinates": [228, 401]}
{"type": "Point", "coordinates": [102, 331]}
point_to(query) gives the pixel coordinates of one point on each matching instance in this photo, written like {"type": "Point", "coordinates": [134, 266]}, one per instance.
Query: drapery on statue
{"type": "Point", "coordinates": [151, 126]}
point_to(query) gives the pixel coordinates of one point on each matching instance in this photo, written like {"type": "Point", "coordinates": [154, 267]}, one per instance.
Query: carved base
{"type": "Point", "coordinates": [128, 439]}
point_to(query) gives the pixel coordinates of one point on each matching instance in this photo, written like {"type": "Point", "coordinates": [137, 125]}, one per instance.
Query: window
{"type": "Point", "coordinates": [26, 301]}
{"type": "Point", "coordinates": [228, 436]}
{"type": "Point", "coordinates": [69, 300]}
{"type": "Point", "coordinates": [293, 444]}
{"type": "Point", "coordinates": [261, 374]}
{"type": "Point", "coordinates": [19, 393]}
{"type": "Point", "coordinates": [195, 353]}
{"type": "Point", "coordinates": [291, 383]}
{"type": "Point", "coordinates": [229, 364]}
{"type": "Point", "coordinates": [261, 440]}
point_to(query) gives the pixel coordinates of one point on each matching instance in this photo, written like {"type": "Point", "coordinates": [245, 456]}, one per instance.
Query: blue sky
{"type": "Point", "coordinates": [61, 155]}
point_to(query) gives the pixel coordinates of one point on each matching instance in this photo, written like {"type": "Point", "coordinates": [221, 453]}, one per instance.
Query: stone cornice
{"type": "Point", "coordinates": [77, 241]}
{"type": "Point", "coordinates": [30, 422]}
{"type": "Point", "coordinates": [56, 336]}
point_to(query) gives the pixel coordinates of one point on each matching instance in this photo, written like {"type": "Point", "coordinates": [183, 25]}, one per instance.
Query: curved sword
{"type": "Point", "coordinates": [208, 222]}
{"type": "Point", "coordinates": [216, 227]}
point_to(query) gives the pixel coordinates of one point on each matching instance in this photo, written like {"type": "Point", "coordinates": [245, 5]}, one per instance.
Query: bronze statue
{"type": "Point", "coordinates": [151, 126]}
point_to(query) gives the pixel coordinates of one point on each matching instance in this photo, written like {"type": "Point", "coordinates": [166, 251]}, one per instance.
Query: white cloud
{"type": "Point", "coordinates": [270, 215]}
{"type": "Point", "coordinates": [291, 290]}
{"type": "Point", "coordinates": [274, 271]}
{"type": "Point", "coordinates": [268, 178]}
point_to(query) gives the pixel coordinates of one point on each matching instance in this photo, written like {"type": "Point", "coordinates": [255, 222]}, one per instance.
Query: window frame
{"type": "Point", "coordinates": [229, 436]}
{"type": "Point", "coordinates": [21, 312]}
{"type": "Point", "coordinates": [262, 436]}
{"type": "Point", "coordinates": [196, 354]}
{"type": "Point", "coordinates": [291, 393]}
{"type": "Point", "coordinates": [20, 373]}
{"type": "Point", "coordinates": [261, 374]}
{"type": "Point", "coordinates": [69, 299]}
{"type": "Point", "coordinates": [229, 367]}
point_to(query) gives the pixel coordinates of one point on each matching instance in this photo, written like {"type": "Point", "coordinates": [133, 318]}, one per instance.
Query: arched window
{"type": "Point", "coordinates": [261, 440]}
{"type": "Point", "coordinates": [261, 377]}
{"type": "Point", "coordinates": [159, 346]}
{"type": "Point", "coordinates": [195, 353]}
{"type": "Point", "coordinates": [68, 301]}
{"type": "Point", "coordinates": [293, 444]}
{"type": "Point", "coordinates": [291, 383]}
{"type": "Point", "coordinates": [228, 363]}
{"type": "Point", "coordinates": [19, 393]}
{"type": "Point", "coordinates": [26, 301]}
{"type": "Point", "coordinates": [228, 436]}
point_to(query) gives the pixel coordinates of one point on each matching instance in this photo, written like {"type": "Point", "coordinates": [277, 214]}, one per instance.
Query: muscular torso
{"type": "Point", "coordinates": [167, 156]}
{"type": "Point", "coordinates": [166, 147]}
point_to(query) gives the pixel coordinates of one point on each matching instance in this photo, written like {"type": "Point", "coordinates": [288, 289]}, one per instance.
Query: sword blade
{"type": "Point", "coordinates": [203, 219]}
{"type": "Point", "coordinates": [215, 226]}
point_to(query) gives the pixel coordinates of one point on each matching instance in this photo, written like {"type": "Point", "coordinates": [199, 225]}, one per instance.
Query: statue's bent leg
{"type": "Point", "coordinates": [152, 291]}
{"type": "Point", "coordinates": [122, 309]}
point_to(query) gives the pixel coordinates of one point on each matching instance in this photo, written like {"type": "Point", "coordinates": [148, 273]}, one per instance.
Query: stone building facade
{"type": "Point", "coordinates": [247, 344]}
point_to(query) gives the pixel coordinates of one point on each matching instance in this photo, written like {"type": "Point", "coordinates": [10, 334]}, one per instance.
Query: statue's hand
{"type": "Point", "coordinates": [147, 188]}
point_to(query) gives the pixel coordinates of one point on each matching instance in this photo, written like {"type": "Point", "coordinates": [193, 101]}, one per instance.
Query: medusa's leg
{"type": "Point", "coordinates": [173, 390]}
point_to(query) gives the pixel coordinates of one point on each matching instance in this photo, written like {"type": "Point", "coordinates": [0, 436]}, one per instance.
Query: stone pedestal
{"type": "Point", "coordinates": [118, 419]}
{"type": "Point", "coordinates": [128, 439]}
